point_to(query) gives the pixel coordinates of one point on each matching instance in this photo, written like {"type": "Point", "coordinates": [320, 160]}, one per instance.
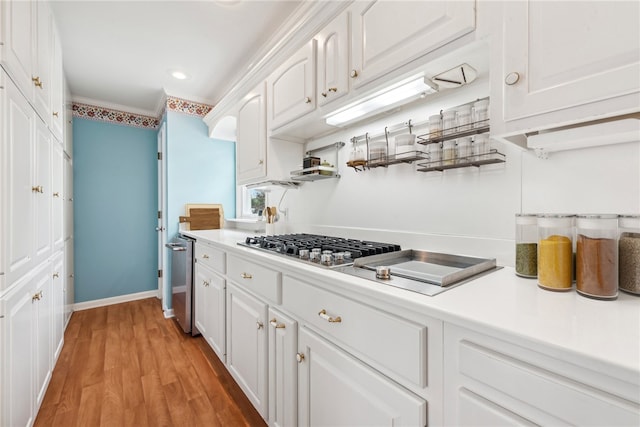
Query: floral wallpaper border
{"type": "Point", "coordinates": [188, 107]}
{"type": "Point", "coordinates": [110, 115]}
{"type": "Point", "coordinates": [114, 116]}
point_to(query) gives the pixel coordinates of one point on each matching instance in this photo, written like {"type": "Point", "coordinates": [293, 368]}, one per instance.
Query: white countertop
{"type": "Point", "coordinates": [604, 332]}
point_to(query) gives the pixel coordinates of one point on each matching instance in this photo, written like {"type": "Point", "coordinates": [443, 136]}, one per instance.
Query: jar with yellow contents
{"type": "Point", "coordinates": [555, 251]}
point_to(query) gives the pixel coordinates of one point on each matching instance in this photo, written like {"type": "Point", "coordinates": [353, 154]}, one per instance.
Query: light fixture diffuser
{"type": "Point", "coordinates": [382, 100]}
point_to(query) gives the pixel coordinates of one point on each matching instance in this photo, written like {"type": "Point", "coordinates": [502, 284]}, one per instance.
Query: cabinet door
{"type": "Point", "coordinates": [337, 389]}
{"type": "Point", "coordinates": [18, 239]}
{"type": "Point", "coordinates": [57, 87]}
{"type": "Point", "coordinates": [210, 308]}
{"type": "Point", "coordinates": [283, 370]}
{"type": "Point", "coordinates": [69, 280]}
{"type": "Point", "coordinates": [43, 50]}
{"type": "Point", "coordinates": [57, 291]}
{"type": "Point", "coordinates": [291, 88]}
{"type": "Point", "coordinates": [251, 135]}
{"type": "Point", "coordinates": [388, 34]}
{"type": "Point", "coordinates": [567, 54]}
{"type": "Point", "coordinates": [67, 210]}
{"type": "Point", "coordinates": [247, 345]}
{"type": "Point", "coordinates": [17, 352]}
{"type": "Point", "coordinates": [43, 197]}
{"type": "Point", "coordinates": [43, 333]}
{"type": "Point", "coordinates": [17, 45]}
{"type": "Point", "coordinates": [333, 60]}
{"type": "Point", "coordinates": [56, 193]}
{"type": "Point", "coordinates": [492, 382]}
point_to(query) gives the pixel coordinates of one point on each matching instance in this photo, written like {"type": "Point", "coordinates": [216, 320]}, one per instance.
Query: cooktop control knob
{"type": "Point", "coordinates": [383, 272]}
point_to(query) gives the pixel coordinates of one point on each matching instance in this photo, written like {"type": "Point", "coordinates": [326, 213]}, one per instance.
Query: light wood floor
{"type": "Point", "coordinates": [126, 365]}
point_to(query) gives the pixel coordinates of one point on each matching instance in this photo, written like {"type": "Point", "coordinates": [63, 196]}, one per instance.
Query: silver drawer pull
{"type": "Point", "coordinates": [205, 283]}
{"type": "Point", "coordinates": [205, 256]}
{"type": "Point", "coordinates": [325, 316]}
{"type": "Point", "coordinates": [246, 276]}
{"type": "Point", "coordinates": [276, 325]}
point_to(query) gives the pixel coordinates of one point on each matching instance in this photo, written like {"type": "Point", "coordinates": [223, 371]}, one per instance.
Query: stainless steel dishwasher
{"type": "Point", "coordinates": [182, 282]}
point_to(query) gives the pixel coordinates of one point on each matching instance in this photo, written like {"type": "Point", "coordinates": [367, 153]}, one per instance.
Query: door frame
{"type": "Point", "coordinates": [161, 227]}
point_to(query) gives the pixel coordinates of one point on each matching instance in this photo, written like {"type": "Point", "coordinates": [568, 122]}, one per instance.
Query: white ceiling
{"type": "Point", "coordinates": [121, 53]}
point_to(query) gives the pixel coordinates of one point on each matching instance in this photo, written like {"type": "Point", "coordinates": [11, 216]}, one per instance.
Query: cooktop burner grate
{"type": "Point", "coordinates": [300, 245]}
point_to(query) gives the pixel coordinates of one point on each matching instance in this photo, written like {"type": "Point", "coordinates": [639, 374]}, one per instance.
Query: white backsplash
{"type": "Point", "coordinates": [466, 211]}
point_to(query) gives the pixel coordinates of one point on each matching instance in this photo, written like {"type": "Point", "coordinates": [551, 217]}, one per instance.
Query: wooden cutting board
{"type": "Point", "coordinates": [203, 216]}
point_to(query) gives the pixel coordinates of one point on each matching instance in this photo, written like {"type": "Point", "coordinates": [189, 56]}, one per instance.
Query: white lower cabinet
{"type": "Point", "coordinates": [493, 382]}
{"type": "Point", "coordinates": [337, 389]}
{"type": "Point", "coordinates": [209, 290]}
{"type": "Point", "coordinates": [283, 370]}
{"type": "Point", "coordinates": [247, 345]}
{"type": "Point", "coordinates": [26, 332]}
{"type": "Point", "coordinates": [58, 274]}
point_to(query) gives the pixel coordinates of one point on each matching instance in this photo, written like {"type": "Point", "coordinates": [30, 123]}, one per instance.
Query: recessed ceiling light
{"type": "Point", "coordinates": [179, 75]}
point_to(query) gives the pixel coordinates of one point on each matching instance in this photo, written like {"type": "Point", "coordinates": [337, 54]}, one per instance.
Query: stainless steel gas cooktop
{"type": "Point", "coordinates": [428, 273]}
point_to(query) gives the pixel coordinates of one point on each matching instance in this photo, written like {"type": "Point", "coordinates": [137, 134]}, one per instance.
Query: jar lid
{"type": "Point", "coordinates": [526, 219]}
{"type": "Point", "coordinates": [629, 216]}
{"type": "Point", "coordinates": [555, 220]}
{"type": "Point", "coordinates": [597, 216]}
{"type": "Point", "coordinates": [556, 215]}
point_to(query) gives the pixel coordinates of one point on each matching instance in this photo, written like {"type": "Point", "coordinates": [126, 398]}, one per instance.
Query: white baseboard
{"type": "Point", "coordinates": [168, 314]}
{"type": "Point", "coordinates": [179, 289]}
{"type": "Point", "coordinates": [114, 300]}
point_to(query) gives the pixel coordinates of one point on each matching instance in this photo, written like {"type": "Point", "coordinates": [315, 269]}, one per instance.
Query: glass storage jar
{"type": "Point", "coordinates": [378, 150]}
{"type": "Point", "coordinates": [555, 251]}
{"type": "Point", "coordinates": [435, 126]}
{"type": "Point", "coordinates": [449, 152]}
{"type": "Point", "coordinates": [464, 117]}
{"type": "Point", "coordinates": [481, 147]}
{"type": "Point", "coordinates": [597, 256]}
{"type": "Point", "coordinates": [481, 113]}
{"type": "Point", "coordinates": [629, 253]}
{"type": "Point", "coordinates": [464, 149]}
{"type": "Point", "coordinates": [449, 122]}
{"type": "Point", "coordinates": [435, 154]}
{"type": "Point", "coordinates": [527, 245]}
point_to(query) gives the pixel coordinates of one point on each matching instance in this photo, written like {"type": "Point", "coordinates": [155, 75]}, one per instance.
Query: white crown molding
{"type": "Point", "coordinates": [303, 24]}
{"type": "Point", "coordinates": [112, 106]}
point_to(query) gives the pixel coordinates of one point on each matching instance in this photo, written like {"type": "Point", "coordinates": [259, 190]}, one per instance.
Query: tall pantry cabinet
{"type": "Point", "coordinates": [35, 206]}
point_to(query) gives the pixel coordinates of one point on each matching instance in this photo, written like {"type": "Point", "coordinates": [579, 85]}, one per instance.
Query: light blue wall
{"type": "Point", "coordinates": [115, 204]}
{"type": "Point", "coordinates": [199, 170]}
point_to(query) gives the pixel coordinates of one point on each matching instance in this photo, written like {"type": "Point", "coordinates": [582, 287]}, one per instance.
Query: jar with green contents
{"type": "Point", "coordinates": [527, 245]}
{"type": "Point", "coordinates": [597, 256]}
{"type": "Point", "coordinates": [629, 253]}
{"type": "Point", "coordinates": [555, 251]}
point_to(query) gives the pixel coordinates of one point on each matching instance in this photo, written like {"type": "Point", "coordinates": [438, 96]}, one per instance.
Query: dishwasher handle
{"type": "Point", "coordinates": [176, 247]}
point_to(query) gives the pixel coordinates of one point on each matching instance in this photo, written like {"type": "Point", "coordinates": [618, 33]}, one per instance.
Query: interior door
{"type": "Point", "coordinates": [161, 227]}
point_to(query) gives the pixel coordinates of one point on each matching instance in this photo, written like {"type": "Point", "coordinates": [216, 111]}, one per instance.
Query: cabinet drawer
{"type": "Point", "coordinates": [255, 278]}
{"type": "Point", "coordinates": [397, 344]}
{"type": "Point", "coordinates": [211, 257]}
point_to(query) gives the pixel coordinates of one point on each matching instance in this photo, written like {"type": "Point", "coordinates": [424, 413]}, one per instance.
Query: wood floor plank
{"type": "Point", "coordinates": [126, 365]}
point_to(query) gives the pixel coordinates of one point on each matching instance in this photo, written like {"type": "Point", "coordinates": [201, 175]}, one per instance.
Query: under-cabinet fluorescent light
{"type": "Point", "coordinates": [607, 133]}
{"type": "Point", "coordinates": [382, 100]}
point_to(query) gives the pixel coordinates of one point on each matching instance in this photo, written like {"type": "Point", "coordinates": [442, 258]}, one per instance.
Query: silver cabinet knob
{"type": "Point", "coordinates": [299, 357]}
{"type": "Point", "coordinates": [512, 78]}
{"type": "Point", "coordinates": [353, 74]}
{"type": "Point", "coordinates": [259, 325]}
{"type": "Point", "coordinates": [307, 100]}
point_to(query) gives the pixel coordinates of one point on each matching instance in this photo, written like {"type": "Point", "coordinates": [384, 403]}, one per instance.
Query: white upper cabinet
{"type": "Point", "coordinates": [42, 76]}
{"type": "Point", "coordinates": [57, 195]}
{"type": "Point", "coordinates": [57, 88]}
{"type": "Point", "coordinates": [388, 34]}
{"type": "Point", "coordinates": [291, 88]}
{"type": "Point", "coordinates": [565, 62]}
{"type": "Point", "coordinates": [251, 137]}
{"type": "Point", "coordinates": [16, 49]}
{"type": "Point", "coordinates": [333, 60]}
